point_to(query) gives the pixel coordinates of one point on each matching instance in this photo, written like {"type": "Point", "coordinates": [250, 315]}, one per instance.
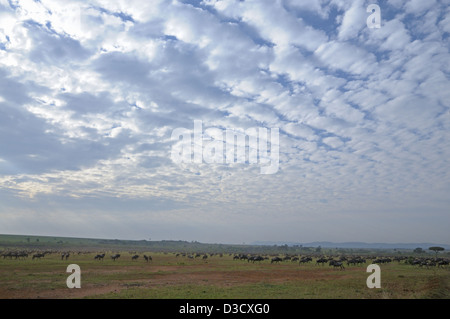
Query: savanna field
{"type": "Point", "coordinates": [211, 275]}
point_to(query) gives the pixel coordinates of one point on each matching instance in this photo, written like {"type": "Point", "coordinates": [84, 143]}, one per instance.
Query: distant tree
{"type": "Point", "coordinates": [436, 249]}
{"type": "Point", "coordinates": [418, 250]}
{"type": "Point", "coordinates": [318, 249]}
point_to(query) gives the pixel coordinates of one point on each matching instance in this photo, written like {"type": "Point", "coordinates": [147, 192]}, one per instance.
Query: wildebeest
{"type": "Point", "coordinates": [336, 264]}
{"type": "Point", "coordinates": [356, 261]}
{"type": "Point", "coordinates": [38, 256]}
{"type": "Point", "coordinates": [21, 254]}
{"type": "Point", "coordinates": [99, 257]}
{"type": "Point", "coordinates": [147, 258]}
{"type": "Point", "coordinates": [305, 260]}
{"type": "Point", "coordinates": [241, 257]}
{"type": "Point", "coordinates": [114, 257]}
{"type": "Point", "coordinates": [321, 260]}
{"type": "Point", "coordinates": [382, 260]}
{"type": "Point", "coordinates": [275, 260]}
{"type": "Point", "coordinates": [256, 258]}
{"type": "Point", "coordinates": [15, 254]}
{"type": "Point", "coordinates": [135, 257]}
{"type": "Point", "coordinates": [65, 256]}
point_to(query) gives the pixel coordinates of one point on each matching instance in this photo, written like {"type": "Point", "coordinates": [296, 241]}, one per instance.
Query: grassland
{"type": "Point", "coordinates": [168, 276]}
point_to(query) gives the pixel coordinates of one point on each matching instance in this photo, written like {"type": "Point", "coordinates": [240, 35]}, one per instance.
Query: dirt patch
{"type": "Point", "coordinates": [172, 276]}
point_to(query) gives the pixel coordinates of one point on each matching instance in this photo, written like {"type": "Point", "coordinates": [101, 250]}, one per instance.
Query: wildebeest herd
{"type": "Point", "coordinates": [339, 262]}
{"type": "Point", "coordinates": [23, 254]}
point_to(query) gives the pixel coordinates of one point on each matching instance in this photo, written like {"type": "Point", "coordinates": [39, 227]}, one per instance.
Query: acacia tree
{"type": "Point", "coordinates": [436, 249]}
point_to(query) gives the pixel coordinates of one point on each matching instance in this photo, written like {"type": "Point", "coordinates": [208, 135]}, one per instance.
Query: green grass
{"type": "Point", "coordinates": [322, 289]}
{"type": "Point", "coordinates": [219, 278]}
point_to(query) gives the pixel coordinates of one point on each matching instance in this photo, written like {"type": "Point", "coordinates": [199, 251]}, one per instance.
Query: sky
{"type": "Point", "coordinates": [91, 93]}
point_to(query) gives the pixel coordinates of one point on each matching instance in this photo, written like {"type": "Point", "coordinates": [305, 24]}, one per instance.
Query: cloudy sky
{"type": "Point", "coordinates": [91, 92]}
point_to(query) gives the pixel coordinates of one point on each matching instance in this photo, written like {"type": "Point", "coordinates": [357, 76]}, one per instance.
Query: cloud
{"type": "Point", "coordinates": [353, 21]}
{"type": "Point", "coordinates": [417, 7]}
{"type": "Point", "coordinates": [334, 142]}
{"type": "Point", "coordinates": [90, 93]}
{"type": "Point", "coordinates": [347, 58]}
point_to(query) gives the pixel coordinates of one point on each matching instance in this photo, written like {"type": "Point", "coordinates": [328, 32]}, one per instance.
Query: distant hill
{"type": "Point", "coordinates": [65, 243]}
{"type": "Point", "coordinates": [327, 244]}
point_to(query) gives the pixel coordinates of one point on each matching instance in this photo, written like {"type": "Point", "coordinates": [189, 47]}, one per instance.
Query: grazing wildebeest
{"type": "Point", "coordinates": [382, 260]}
{"type": "Point", "coordinates": [99, 257]}
{"type": "Point", "coordinates": [305, 260]}
{"type": "Point", "coordinates": [205, 257]}
{"type": "Point", "coordinates": [356, 261]}
{"type": "Point", "coordinates": [256, 258]}
{"type": "Point", "coordinates": [114, 257]}
{"type": "Point", "coordinates": [336, 264]}
{"type": "Point", "coordinates": [147, 258]}
{"type": "Point", "coordinates": [321, 260]}
{"type": "Point", "coordinates": [135, 257]}
{"type": "Point", "coordinates": [15, 254]}
{"type": "Point", "coordinates": [352, 261]}
{"type": "Point", "coordinates": [38, 256]}
{"type": "Point", "coordinates": [276, 260]}
{"type": "Point", "coordinates": [10, 255]}
{"type": "Point", "coordinates": [243, 257]}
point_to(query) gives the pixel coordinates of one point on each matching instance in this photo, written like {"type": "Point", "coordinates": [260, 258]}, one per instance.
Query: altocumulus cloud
{"type": "Point", "coordinates": [90, 92]}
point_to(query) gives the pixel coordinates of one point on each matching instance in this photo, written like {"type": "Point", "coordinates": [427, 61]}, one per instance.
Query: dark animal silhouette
{"type": "Point", "coordinates": [253, 259]}
{"type": "Point", "coordinates": [336, 264]}
{"type": "Point", "coordinates": [276, 260]}
{"type": "Point", "coordinates": [38, 256]}
{"type": "Point", "coordinates": [305, 260]}
{"type": "Point", "coordinates": [99, 257]}
{"type": "Point", "coordinates": [321, 260]}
